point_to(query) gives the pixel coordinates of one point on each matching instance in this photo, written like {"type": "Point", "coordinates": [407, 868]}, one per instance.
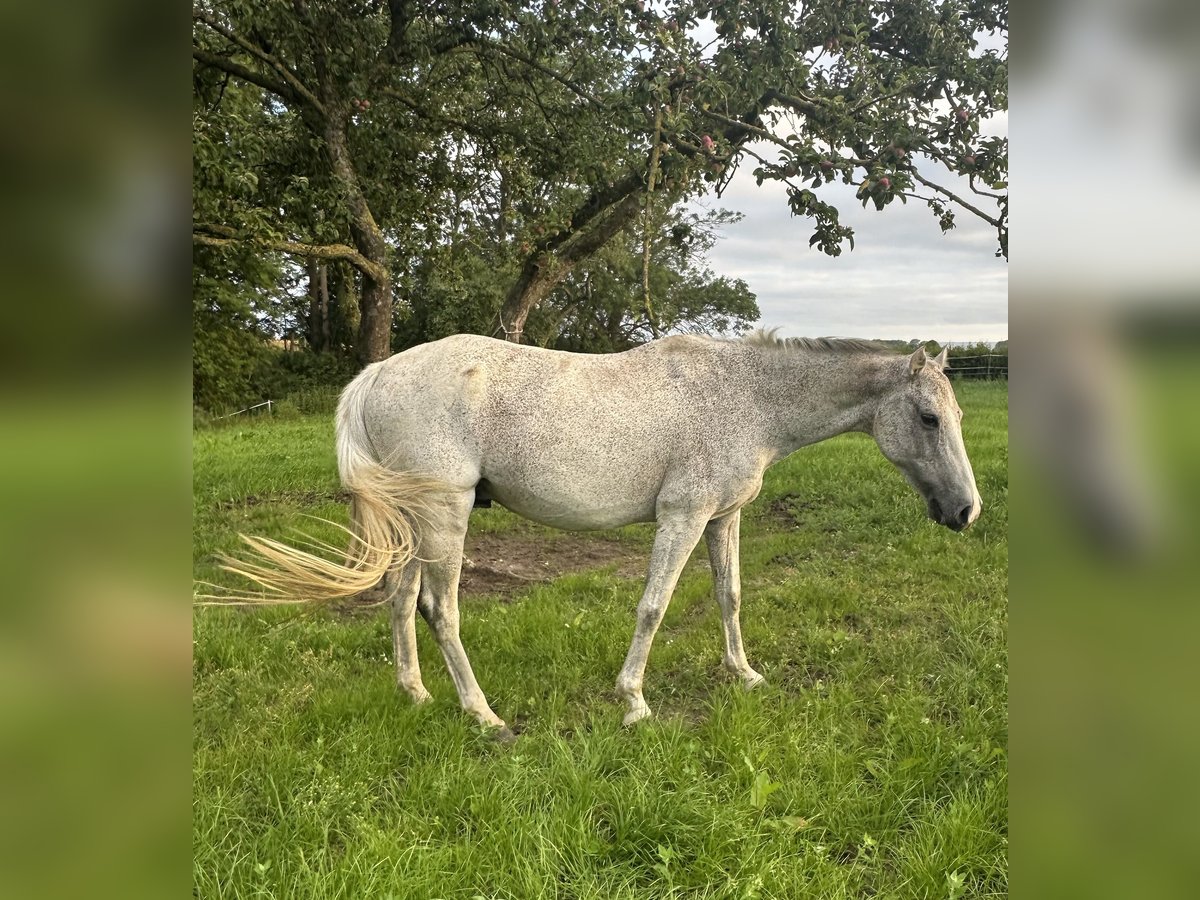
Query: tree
{"type": "Point", "coordinates": [877, 93]}
{"type": "Point", "coordinates": [542, 131]}
{"type": "Point", "coordinates": [227, 343]}
{"type": "Point", "coordinates": [600, 307]}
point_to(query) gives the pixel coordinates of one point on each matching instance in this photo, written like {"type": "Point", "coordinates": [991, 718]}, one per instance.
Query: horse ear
{"type": "Point", "coordinates": [917, 361]}
{"type": "Point", "coordinates": [940, 360]}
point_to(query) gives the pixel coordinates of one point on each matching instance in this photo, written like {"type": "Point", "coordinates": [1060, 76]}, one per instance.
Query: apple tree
{"type": "Point", "coordinates": [531, 135]}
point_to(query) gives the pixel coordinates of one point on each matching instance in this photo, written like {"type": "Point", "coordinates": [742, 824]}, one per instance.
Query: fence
{"type": "Point", "coordinates": [987, 365]}
{"type": "Point", "coordinates": [267, 403]}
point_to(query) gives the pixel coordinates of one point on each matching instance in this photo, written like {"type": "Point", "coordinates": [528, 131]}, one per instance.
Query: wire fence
{"type": "Point", "coordinates": [269, 404]}
{"type": "Point", "coordinates": [986, 365]}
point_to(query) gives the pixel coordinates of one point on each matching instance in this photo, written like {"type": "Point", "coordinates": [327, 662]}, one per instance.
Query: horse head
{"type": "Point", "coordinates": [918, 428]}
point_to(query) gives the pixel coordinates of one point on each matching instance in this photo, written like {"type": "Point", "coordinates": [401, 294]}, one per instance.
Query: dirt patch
{"type": "Point", "coordinates": [790, 509]}
{"type": "Point", "coordinates": [509, 563]}
{"type": "Point", "coordinates": [500, 564]}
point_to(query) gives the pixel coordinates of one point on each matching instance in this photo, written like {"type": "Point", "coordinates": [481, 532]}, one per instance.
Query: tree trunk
{"type": "Point", "coordinates": [375, 326]}
{"type": "Point", "coordinates": [374, 341]}
{"type": "Point", "coordinates": [530, 289]}
{"type": "Point", "coordinates": [502, 214]}
{"type": "Point", "coordinates": [345, 316]}
{"type": "Point", "coordinates": [326, 330]}
{"type": "Point", "coordinates": [545, 269]}
{"type": "Point", "coordinates": [314, 305]}
{"type": "Point", "coordinates": [320, 334]}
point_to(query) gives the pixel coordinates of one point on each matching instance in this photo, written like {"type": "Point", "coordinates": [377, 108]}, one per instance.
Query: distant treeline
{"type": "Point", "coordinates": [978, 360]}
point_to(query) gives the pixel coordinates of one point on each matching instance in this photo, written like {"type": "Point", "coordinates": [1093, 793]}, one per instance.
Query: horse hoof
{"type": "Point", "coordinates": [504, 735]}
{"type": "Point", "coordinates": [421, 696]}
{"type": "Point", "coordinates": [636, 715]}
{"type": "Point", "coordinates": [753, 681]}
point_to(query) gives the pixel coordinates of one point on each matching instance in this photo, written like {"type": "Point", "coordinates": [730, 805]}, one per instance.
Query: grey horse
{"type": "Point", "coordinates": [678, 431]}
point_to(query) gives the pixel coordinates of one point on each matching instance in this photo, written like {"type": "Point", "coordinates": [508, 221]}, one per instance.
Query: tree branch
{"type": "Point", "coordinates": [289, 77]}
{"type": "Point", "coordinates": [596, 204]}
{"type": "Point", "coordinates": [545, 70]}
{"type": "Point", "coordinates": [946, 192]}
{"type": "Point", "coordinates": [225, 64]}
{"type": "Point", "coordinates": [749, 128]}
{"type": "Point", "coordinates": [887, 95]}
{"type": "Point", "coordinates": [222, 236]}
{"type": "Point", "coordinates": [982, 193]}
{"type": "Point", "coordinates": [401, 12]}
{"type": "Point", "coordinates": [803, 104]}
{"type": "Point", "coordinates": [437, 118]}
{"type": "Point", "coordinates": [320, 58]}
{"type": "Point", "coordinates": [617, 217]}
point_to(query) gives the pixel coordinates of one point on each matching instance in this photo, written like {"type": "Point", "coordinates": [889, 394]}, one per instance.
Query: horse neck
{"type": "Point", "coordinates": [811, 396]}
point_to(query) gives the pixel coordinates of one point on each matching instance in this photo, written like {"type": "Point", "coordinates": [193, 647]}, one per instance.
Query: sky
{"type": "Point", "coordinates": [904, 279]}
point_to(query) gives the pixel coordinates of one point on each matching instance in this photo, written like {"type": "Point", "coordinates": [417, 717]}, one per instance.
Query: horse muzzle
{"type": "Point", "coordinates": [955, 516]}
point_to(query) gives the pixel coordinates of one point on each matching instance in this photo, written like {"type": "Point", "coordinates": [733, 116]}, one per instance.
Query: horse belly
{"type": "Point", "coordinates": [579, 499]}
{"type": "Point", "coordinates": [576, 518]}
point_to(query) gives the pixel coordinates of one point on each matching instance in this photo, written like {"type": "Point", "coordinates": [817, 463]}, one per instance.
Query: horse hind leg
{"type": "Point", "coordinates": [441, 556]}
{"type": "Point", "coordinates": [399, 588]}
{"type": "Point", "coordinates": [405, 585]}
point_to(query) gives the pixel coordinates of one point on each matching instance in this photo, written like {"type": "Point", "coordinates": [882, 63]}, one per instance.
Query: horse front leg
{"type": "Point", "coordinates": [673, 543]}
{"type": "Point", "coordinates": [723, 538]}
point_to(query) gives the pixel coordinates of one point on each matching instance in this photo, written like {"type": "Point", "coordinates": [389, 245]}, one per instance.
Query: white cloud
{"type": "Point", "coordinates": [905, 279]}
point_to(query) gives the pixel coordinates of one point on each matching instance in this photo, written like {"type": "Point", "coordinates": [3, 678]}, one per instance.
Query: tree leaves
{"type": "Point", "coordinates": [484, 131]}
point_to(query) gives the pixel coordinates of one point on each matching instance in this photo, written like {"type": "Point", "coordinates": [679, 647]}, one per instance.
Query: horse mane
{"type": "Point", "coordinates": [762, 337]}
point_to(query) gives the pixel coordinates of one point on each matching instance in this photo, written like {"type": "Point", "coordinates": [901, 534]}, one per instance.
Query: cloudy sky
{"type": "Point", "coordinates": [904, 279]}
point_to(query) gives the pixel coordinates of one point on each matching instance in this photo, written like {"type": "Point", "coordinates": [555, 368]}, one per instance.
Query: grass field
{"type": "Point", "coordinates": [873, 764]}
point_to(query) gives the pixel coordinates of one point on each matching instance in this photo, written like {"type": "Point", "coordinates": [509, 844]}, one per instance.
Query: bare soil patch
{"type": "Point", "coordinates": [511, 562]}
{"type": "Point", "coordinates": [790, 509]}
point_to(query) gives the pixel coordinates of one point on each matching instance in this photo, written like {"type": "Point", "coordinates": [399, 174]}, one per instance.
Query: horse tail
{"type": "Point", "coordinates": [386, 510]}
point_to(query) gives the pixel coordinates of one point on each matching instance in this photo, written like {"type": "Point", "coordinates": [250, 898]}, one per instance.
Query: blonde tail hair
{"type": "Point", "coordinates": [386, 509]}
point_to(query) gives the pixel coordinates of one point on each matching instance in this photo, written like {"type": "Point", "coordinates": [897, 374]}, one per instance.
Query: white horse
{"type": "Point", "coordinates": [678, 431]}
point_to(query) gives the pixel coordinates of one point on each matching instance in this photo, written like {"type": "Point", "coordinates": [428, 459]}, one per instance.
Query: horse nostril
{"type": "Point", "coordinates": [964, 516]}
{"type": "Point", "coordinates": [935, 511]}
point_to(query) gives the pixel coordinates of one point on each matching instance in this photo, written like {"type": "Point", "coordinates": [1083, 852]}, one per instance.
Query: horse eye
{"type": "Point", "coordinates": [929, 420]}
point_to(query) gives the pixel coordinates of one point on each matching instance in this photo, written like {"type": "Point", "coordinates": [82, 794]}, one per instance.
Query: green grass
{"type": "Point", "coordinates": [872, 765]}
